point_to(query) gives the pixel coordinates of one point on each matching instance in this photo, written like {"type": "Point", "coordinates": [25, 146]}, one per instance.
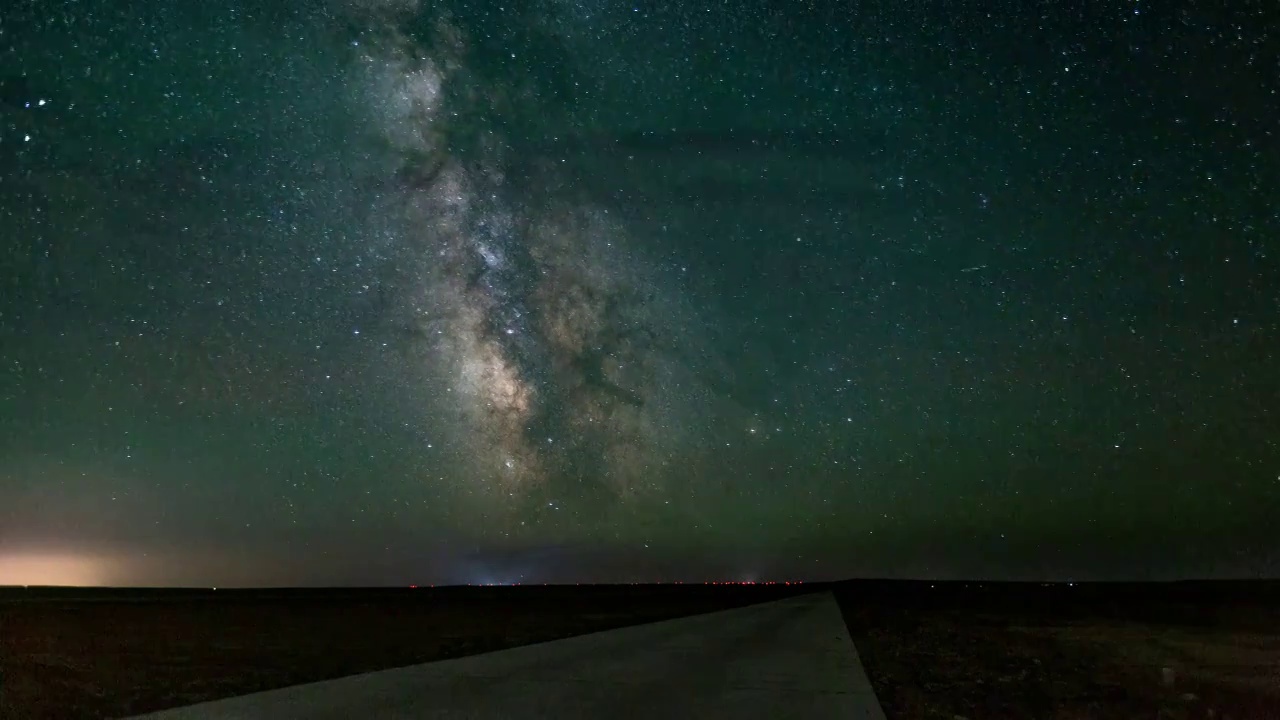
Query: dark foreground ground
{"type": "Point", "coordinates": [987, 651]}
{"type": "Point", "coordinates": [931, 650]}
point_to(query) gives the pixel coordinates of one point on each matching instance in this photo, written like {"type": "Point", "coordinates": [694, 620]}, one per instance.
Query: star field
{"type": "Point", "coordinates": [368, 291]}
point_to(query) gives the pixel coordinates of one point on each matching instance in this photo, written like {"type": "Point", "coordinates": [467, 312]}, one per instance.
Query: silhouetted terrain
{"type": "Point", "coordinates": [932, 650]}
{"type": "Point", "coordinates": [69, 653]}
{"type": "Point", "coordinates": [1088, 650]}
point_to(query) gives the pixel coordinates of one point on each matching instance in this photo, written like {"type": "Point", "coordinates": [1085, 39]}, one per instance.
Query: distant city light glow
{"type": "Point", "coordinates": [54, 568]}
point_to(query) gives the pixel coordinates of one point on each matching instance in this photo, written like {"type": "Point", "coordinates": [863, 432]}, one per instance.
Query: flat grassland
{"type": "Point", "coordinates": [932, 650]}
{"type": "Point", "coordinates": [76, 654]}
{"type": "Point", "coordinates": [1170, 651]}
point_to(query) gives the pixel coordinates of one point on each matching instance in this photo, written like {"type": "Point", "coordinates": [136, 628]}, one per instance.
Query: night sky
{"type": "Point", "coordinates": [389, 292]}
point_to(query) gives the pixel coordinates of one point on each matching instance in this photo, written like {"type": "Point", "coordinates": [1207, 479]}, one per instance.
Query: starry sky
{"type": "Point", "coordinates": [391, 292]}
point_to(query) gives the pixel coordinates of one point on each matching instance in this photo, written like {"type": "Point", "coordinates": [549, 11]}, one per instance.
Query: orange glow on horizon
{"type": "Point", "coordinates": [56, 568]}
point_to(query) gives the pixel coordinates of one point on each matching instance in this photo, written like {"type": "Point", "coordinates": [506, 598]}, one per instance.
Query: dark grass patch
{"type": "Point", "coordinates": [1028, 651]}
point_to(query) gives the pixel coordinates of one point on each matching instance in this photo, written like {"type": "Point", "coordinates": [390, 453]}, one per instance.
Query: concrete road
{"type": "Point", "coordinates": [787, 659]}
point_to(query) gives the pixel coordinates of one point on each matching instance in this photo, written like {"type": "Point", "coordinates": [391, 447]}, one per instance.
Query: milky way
{"type": "Point", "coordinates": [398, 291]}
{"type": "Point", "coordinates": [574, 366]}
